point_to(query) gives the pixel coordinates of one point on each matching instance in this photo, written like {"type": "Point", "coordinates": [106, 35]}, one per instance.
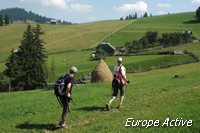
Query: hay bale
{"type": "Point", "coordinates": [101, 73]}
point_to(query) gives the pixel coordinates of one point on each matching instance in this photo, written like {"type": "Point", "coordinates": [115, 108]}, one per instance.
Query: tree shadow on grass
{"type": "Point", "coordinates": [93, 108]}
{"type": "Point", "coordinates": [192, 22]}
{"type": "Point", "coordinates": [28, 126]}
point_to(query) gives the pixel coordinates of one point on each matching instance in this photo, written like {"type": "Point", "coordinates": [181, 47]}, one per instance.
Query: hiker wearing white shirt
{"type": "Point", "coordinates": [118, 83]}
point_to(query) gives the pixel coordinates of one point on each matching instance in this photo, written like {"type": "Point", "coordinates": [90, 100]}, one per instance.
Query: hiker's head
{"type": "Point", "coordinates": [119, 61]}
{"type": "Point", "coordinates": [73, 70]}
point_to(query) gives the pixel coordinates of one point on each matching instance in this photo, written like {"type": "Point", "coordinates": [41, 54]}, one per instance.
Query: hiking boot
{"type": "Point", "coordinates": [62, 125]}
{"type": "Point", "coordinates": [108, 106]}
{"type": "Point", "coordinates": [120, 106]}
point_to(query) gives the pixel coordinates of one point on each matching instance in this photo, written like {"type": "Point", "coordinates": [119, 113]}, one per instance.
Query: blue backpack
{"type": "Point", "coordinates": [59, 86]}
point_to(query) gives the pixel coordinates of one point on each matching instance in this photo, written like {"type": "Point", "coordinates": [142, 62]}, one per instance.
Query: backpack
{"type": "Point", "coordinates": [119, 78]}
{"type": "Point", "coordinates": [59, 86]}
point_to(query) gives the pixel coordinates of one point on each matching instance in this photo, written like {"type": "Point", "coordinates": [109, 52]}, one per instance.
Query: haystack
{"type": "Point", "coordinates": [101, 73]}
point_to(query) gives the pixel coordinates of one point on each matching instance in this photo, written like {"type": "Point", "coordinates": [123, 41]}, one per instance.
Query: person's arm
{"type": "Point", "coordinates": [68, 89]}
{"type": "Point", "coordinates": [123, 71]}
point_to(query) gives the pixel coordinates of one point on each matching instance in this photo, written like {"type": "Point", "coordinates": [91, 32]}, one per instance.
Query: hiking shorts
{"type": "Point", "coordinates": [117, 87]}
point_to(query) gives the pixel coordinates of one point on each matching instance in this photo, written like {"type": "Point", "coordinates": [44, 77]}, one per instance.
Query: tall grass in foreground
{"type": "Point", "coordinates": [154, 95]}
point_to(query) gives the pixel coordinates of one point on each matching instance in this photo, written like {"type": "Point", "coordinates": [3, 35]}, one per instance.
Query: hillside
{"type": "Point", "coordinates": [83, 36]}
{"type": "Point", "coordinates": [60, 37]}
{"type": "Point", "coordinates": [153, 95]}
{"type": "Point", "coordinates": [20, 14]}
{"type": "Point", "coordinates": [165, 23]}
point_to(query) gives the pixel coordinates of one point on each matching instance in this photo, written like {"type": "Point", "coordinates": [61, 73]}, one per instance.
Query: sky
{"type": "Point", "coordinates": [81, 11]}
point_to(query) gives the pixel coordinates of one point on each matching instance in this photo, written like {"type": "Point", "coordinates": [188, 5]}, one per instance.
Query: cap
{"type": "Point", "coordinates": [73, 69]}
{"type": "Point", "coordinates": [119, 59]}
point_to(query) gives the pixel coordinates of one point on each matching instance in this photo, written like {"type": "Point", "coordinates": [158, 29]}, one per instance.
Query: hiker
{"type": "Point", "coordinates": [118, 83]}
{"type": "Point", "coordinates": [65, 99]}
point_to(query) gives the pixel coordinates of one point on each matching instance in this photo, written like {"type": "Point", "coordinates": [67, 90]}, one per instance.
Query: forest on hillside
{"type": "Point", "coordinates": [20, 14]}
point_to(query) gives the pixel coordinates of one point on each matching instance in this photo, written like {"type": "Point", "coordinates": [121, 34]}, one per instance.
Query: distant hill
{"type": "Point", "coordinates": [20, 14]}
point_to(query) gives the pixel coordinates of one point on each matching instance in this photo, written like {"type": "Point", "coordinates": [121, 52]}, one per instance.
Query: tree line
{"type": "Point", "coordinates": [20, 14]}
{"type": "Point", "coordinates": [135, 16]}
{"type": "Point", "coordinates": [151, 39]}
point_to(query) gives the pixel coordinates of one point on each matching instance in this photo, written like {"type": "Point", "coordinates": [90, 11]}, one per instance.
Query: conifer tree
{"type": "Point", "coordinates": [1, 20]}
{"type": "Point", "coordinates": [198, 14]}
{"type": "Point", "coordinates": [25, 60]}
{"type": "Point", "coordinates": [39, 56]}
{"type": "Point", "coordinates": [7, 21]}
{"type": "Point", "coordinates": [145, 15]}
{"type": "Point", "coordinates": [12, 68]}
{"type": "Point", "coordinates": [136, 16]}
{"type": "Point", "coordinates": [30, 59]}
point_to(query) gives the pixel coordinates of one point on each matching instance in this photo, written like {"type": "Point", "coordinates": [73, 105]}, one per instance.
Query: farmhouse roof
{"type": "Point", "coordinates": [107, 47]}
{"type": "Point", "coordinates": [106, 43]}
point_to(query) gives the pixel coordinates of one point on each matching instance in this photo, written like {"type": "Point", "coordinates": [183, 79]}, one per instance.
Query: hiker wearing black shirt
{"type": "Point", "coordinates": [65, 100]}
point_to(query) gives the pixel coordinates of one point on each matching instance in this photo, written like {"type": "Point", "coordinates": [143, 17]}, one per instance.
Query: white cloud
{"type": "Point", "coordinates": [163, 5]}
{"type": "Point", "coordinates": [62, 4]}
{"type": "Point", "coordinates": [92, 18]}
{"type": "Point", "coordinates": [161, 12]}
{"type": "Point", "coordinates": [197, 2]}
{"type": "Point", "coordinates": [140, 6]}
{"type": "Point", "coordinates": [81, 8]}
{"type": "Point", "coordinates": [26, 1]}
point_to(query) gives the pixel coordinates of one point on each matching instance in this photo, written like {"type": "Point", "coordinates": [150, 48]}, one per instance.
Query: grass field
{"type": "Point", "coordinates": [153, 95]}
{"type": "Point", "coordinates": [161, 24]}
{"type": "Point", "coordinates": [192, 47]}
{"type": "Point", "coordinates": [133, 63]}
{"type": "Point", "coordinates": [59, 37]}
{"type": "Point", "coordinates": [83, 36]}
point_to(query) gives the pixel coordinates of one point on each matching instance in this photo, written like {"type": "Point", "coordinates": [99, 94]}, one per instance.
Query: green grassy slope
{"type": "Point", "coordinates": [162, 24]}
{"type": "Point", "coordinates": [68, 37]}
{"type": "Point", "coordinates": [133, 63]}
{"type": "Point", "coordinates": [153, 95]}
{"type": "Point", "coordinates": [192, 47]}
{"type": "Point", "coordinates": [59, 37]}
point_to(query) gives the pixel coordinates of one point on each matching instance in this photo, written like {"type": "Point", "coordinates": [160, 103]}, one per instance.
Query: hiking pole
{"type": "Point", "coordinates": [59, 101]}
{"type": "Point", "coordinates": [73, 102]}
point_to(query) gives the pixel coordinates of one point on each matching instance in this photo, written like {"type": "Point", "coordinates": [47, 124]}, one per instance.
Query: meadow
{"type": "Point", "coordinates": [133, 63]}
{"type": "Point", "coordinates": [59, 37]}
{"type": "Point", "coordinates": [154, 94]}
{"type": "Point", "coordinates": [162, 24]}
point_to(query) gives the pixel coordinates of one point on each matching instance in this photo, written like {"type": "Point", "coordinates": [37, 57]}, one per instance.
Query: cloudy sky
{"type": "Point", "coordinates": [80, 11]}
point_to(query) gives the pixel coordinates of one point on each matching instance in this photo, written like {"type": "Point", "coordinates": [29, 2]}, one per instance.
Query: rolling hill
{"type": "Point", "coordinates": [60, 37]}
{"type": "Point", "coordinates": [152, 95]}
{"type": "Point", "coordinates": [165, 23]}
{"type": "Point", "coordinates": [83, 36]}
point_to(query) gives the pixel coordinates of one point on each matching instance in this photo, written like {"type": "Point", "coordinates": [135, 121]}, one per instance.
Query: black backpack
{"type": "Point", "coordinates": [59, 86]}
